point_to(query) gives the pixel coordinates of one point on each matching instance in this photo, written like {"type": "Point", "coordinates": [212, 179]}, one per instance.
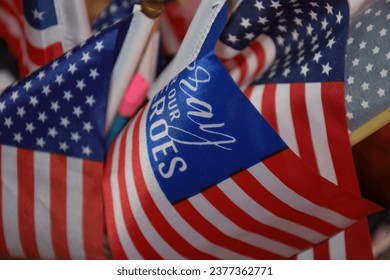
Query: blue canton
{"type": "Point", "coordinates": [40, 14]}
{"type": "Point", "coordinates": [310, 37]}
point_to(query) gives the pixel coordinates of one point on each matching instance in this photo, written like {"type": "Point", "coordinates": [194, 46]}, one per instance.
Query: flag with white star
{"type": "Point", "coordinates": [367, 70]}
{"type": "Point", "coordinates": [52, 152]}
{"type": "Point", "coordinates": [38, 31]}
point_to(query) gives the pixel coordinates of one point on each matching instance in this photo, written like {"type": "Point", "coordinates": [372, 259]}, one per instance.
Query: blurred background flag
{"type": "Point", "coordinates": [52, 153]}
{"type": "Point", "coordinates": [38, 31]}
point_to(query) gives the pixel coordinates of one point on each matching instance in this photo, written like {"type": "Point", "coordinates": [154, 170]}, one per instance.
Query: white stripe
{"type": "Point", "coordinates": [318, 131]}
{"type": "Point", "coordinates": [9, 201]}
{"type": "Point", "coordinates": [170, 213]}
{"type": "Point", "coordinates": [337, 247]}
{"type": "Point", "coordinates": [42, 205]}
{"type": "Point", "coordinates": [252, 62]}
{"type": "Point", "coordinates": [228, 228]}
{"type": "Point", "coordinates": [306, 255]}
{"type": "Point", "coordinates": [294, 200]}
{"type": "Point", "coordinates": [269, 48]}
{"type": "Point", "coordinates": [74, 207]}
{"type": "Point", "coordinates": [124, 238]}
{"type": "Point", "coordinates": [6, 78]}
{"type": "Point", "coordinates": [235, 71]}
{"type": "Point", "coordinates": [263, 215]}
{"type": "Point", "coordinates": [142, 220]}
{"type": "Point", "coordinates": [257, 97]}
{"type": "Point", "coordinates": [284, 117]}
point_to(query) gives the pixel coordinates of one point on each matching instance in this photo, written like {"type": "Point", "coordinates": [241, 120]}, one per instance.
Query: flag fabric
{"type": "Point", "coordinates": [367, 65]}
{"type": "Point", "coordinates": [300, 90]}
{"type": "Point", "coordinates": [192, 177]}
{"type": "Point", "coordinates": [52, 154]}
{"type": "Point", "coordinates": [38, 31]}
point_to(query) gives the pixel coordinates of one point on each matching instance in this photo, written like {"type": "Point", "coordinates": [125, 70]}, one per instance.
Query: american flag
{"type": "Point", "coordinates": [52, 153]}
{"type": "Point", "coordinates": [39, 31]}
{"type": "Point", "coordinates": [300, 90]}
{"type": "Point", "coordinates": [193, 177]}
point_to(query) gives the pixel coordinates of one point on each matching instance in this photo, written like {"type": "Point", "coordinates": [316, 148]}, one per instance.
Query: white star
{"type": "Point", "coordinates": [87, 151]}
{"type": "Point", "coordinates": [383, 73]}
{"type": "Point", "coordinates": [370, 27]}
{"type": "Point", "coordinates": [378, 13]}
{"type": "Point", "coordinates": [90, 100]}
{"type": "Point", "coordinates": [93, 73]}
{"type": "Point", "coordinates": [33, 101]}
{"type": "Point", "coordinates": [329, 33]}
{"type": "Point", "coordinates": [113, 8]}
{"type": "Point", "coordinates": [309, 29]}
{"type": "Point", "coordinates": [317, 56]}
{"type": "Point", "coordinates": [297, 21]}
{"type": "Point", "coordinates": [21, 112]}
{"type": "Point", "coordinates": [72, 68]}
{"type": "Point", "coordinates": [249, 36]}
{"type": "Point", "coordinates": [348, 98]}
{"type": "Point", "coordinates": [245, 22]}
{"type": "Point", "coordinates": [42, 117]}
{"type": "Point", "coordinates": [313, 15]}
{"type": "Point", "coordinates": [14, 95]}
{"type": "Point", "coordinates": [286, 72]}
{"type": "Point", "coordinates": [59, 79]}
{"type": "Point", "coordinates": [376, 50]}
{"type": "Point", "coordinates": [364, 104]}
{"type": "Point", "coordinates": [18, 137]}
{"type": "Point", "coordinates": [27, 86]}
{"type": "Point", "coordinates": [331, 42]}
{"type": "Point", "coordinates": [259, 5]}
{"type": "Point", "coordinates": [351, 80]}
{"type": "Point", "coordinates": [329, 9]}
{"type": "Point", "coordinates": [355, 62]}
{"type": "Point", "coordinates": [369, 10]}
{"type": "Point", "coordinates": [381, 92]}
{"type": "Point", "coordinates": [324, 24]}
{"type": "Point", "coordinates": [369, 67]}
{"type": "Point", "coordinates": [362, 45]}
{"type": "Point", "coordinates": [350, 40]}
{"type": "Point", "coordinates": [282, 28]}
{"type": "Point", "coordinates": [280, 40]}
{"type": "Point", "coordinates": [54, 64]}
{"type": "Point", "coordinates": [37, 14]}
{"type": "Point", "coordinates": [388, 56]}
{"type": "Point", "coordinates": [383, 32]}
{"type": "Point", "coordinates": [30, 127]}
{"type": "Point", "coordinates": [313, 4]}
{"type": "Point", "coordinates": [65, 122]}
{"type": "Point", "coordinates": [262, 20]}
{"type": "Point", "coordinates": [358, 24]}
{"type": "Point", "coordinates": [365, 86]}
{"type": "Point", "coordinates": [326, 69]}
{"type": "Point", "coordinates": [40, 142]}
{"type": "Point", "coordinates": [232, 38]}
{"type": "Point", "coordinates": [86, 57]}
{"type": "Point", "coordinates": [350, 116]}
{"type": "Point", "coordinates": [2, 106]}
{"type": "Point", "coordinates": [52, 132]}
{"type": "Point", "coordinates": [68, 95]}
{"type": "Point", "coordinates": [75, 136]}
{"type": "Point", "coordinates": [295, 35]}
{"type": "Point", "coordinates": [54, 106]}
{"type": "Point", "coordinates": [80, 84]}
{"type": "Point", "coordinates": [304, 70]}
{"type": "Point", "coordinates": [315, 47]}
{"type": "Point", "coordinates": [87, 126]}
{"type": "Point", "coordinates": [77, 111]}
{"type": "Point", "coordinates": [63, 146]}
{"type": "Point", "coordinates": [41, 75]}
{"type": "Point", "coordinates": [8, 122]}
{"type": "Point", "coordinates": [68, 54]}
{"type": "Point", "coordinates": [275, 4]}
{"type": "Point", "coordinates": [339, 17]}
{"type": "Point", "coordinates": [46, 90]}
{"type": "Point", "coordinates": [99, 46]}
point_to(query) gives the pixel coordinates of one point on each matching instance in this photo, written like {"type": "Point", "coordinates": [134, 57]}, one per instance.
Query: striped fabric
{"type": "Point", "coordinates": [38, 31]}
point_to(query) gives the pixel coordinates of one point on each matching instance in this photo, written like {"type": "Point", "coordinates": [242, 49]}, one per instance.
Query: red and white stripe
{"type": "Point", "coordinates": [35, 48]}
{"type": "Point", "coordinates": [50, 205]}
{"type": "Point", "coordinates": [259, 213]}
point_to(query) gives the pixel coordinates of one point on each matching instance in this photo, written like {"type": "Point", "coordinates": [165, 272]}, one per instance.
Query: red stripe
{"type": "Point", "coordinates": [302, 125]}
{"type": "Point", "coordinates": [268, 109]}
{"type": "Point", "coordinates": [248, 92]}
{"type": "Point", "coordinates": [177, 22]}
{"type": "Point", "coordinates": [298, 176]}
{"type": "Point", "coordinates": [42, 56]}
{"type": "Point", "coordinates": [245, 221]}
{"type": "Point", "coordinates": [93, 220]}
{"type": "Point", "coordinates": [210, 232]}
{"type": "Point", "coordinates": [139, 240]}
{"type": "Point", "coordinates": [358, 242]}
{"type": "Point", "coordinates": [321, 251]}
{"type": "Point", "coordinates": [112, 233]}
{"type": "Point", "coordinates": [241, 62]}
{"type": "Point", "coordinates": [3, 246]}
{"type": "Point", "coordinates": [25, 159]}
{"type": "Point", "coordinates": [166, 231]}
{"type": "Point", "coordinates": [58, 206]}
{"type": "Point", "coordinates": [258, 49]}
{"type": "Point", "coordinates": [256, 190]}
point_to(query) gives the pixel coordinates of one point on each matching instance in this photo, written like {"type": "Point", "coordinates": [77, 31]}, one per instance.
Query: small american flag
{"type": "Point", "coordinates": [39, 31]}
{"type": "Point", "coordinates": [52, 153]}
